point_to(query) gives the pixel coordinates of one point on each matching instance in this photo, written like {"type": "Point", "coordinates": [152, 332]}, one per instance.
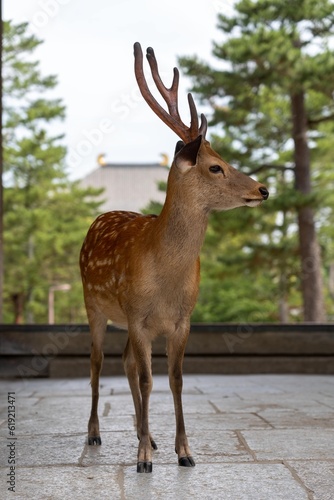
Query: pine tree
{"type": "Point", "coordinates": [46, 215]}
{"type": "Point", "coordinates": [272, 92]}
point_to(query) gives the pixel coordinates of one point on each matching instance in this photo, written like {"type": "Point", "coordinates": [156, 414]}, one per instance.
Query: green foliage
{"type": "Point", "coordinates": [45, 215]}
{"type": "Point", "coordinates": [271, 51]}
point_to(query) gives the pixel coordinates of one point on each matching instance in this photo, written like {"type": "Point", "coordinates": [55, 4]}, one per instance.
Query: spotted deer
{"type": "Point", "coordinates": [142, 272]}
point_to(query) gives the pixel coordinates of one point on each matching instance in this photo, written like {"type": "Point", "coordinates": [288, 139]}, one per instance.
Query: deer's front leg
{"type": "Point", "coordinates": [141, 346]}
{"type": "Point", "coordinates": [175, 348]}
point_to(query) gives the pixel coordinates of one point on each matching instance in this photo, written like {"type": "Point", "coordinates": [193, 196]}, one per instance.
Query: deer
{"type": "Point", "coordinates": [142, 272]}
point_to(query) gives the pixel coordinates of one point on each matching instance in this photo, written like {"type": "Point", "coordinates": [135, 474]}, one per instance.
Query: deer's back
{"type": "Point", "coordinates": [109, 244]}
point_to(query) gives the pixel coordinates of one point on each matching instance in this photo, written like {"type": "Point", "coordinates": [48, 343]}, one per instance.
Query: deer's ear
{"type": "Point", "coordinates": [178, 147]}
{"type": "Point", "coordinates": [186, 157]}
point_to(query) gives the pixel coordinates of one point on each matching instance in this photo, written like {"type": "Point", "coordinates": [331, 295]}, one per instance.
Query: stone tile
{"type": "Point", "coordinates": [114, 405]}
{"type": "Point", "coordinates": [121, 448]}
{"type": "Point", "coordinates": [282, 418]}
{"type": "Point", "coordinates": [51, 387]}
{"type": "Point", "coordinates": [218, 446]}
{"type": "Point", "coordinates": [236, 425]}
{"type": "Point", "coordinates": [207, 482]}
{"type": "Point", "coordinates": [192, 404]}
{"type": "Point", "coordinates": [52, 425]}
{"type": "Point", "coordinates": [160, 403]}
{"type": "Point", "coordinates": [265, 402]}
{"type": "Point", "coordinates": [48, 450]}
{"type": "Point", "coordinates": [22, 404]}
{"type": "Point", "coordinates": [317, 476]}
{"type": "Point", "coordinates": [224, 385]}
{"type": "Point", "coordinates": [161, 384]}
{"type": "Point", "coordinates": [234, 481]}
{"type": "Point", "coordinates": [310, 382]}
{"type": "Point", "coordinates": [291, 444]}
{"type": "Point", "coordinates": [210, 422]}
{"type": "Point", "coordinates": [63, 406]}
{"type": "Point", "coordinates": [326, 400]}
{"type": "Point", "coordinates": [17, 385]}
{"type": "Point", "coordinates": [65, 482]}
{"type": "Point", "coordinates": [118, 448]}
{"type": "Point", "coordinates": [234, 404]}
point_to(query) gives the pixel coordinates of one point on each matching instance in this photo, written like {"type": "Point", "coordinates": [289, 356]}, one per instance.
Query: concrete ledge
{"type": "Point", "coordinates": [63, 350]}
{"type": "Point", "coordinates": [79, 367]}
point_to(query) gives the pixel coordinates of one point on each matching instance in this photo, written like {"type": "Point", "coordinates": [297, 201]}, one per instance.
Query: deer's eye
{"type": "Point", "coordinates": [216, 169]}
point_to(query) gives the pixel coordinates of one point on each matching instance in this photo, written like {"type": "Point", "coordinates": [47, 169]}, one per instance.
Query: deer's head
{"type": "Point", "coordinates": [196, 168]}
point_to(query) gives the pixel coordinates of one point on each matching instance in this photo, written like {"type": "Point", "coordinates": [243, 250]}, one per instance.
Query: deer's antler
{"type": "Point", "coordinates": [171, 119]}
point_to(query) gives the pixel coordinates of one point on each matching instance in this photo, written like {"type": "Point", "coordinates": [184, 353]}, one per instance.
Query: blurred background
{"type": "Point", "coordinates": [78, 139]}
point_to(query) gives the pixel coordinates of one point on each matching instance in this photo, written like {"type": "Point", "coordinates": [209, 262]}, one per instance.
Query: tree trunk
{"type": "Point", "coordinates": [331, 280]}
{"type": "Point", "coordinates": [311, 276]}
{"type": "Point", "coordinates": [18, 304]}
{"type": "Point", "coordinates": [283, 306]}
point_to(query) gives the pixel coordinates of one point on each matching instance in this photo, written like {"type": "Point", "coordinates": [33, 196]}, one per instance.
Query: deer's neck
{"type": "Point", "coordinates": [181, 228]}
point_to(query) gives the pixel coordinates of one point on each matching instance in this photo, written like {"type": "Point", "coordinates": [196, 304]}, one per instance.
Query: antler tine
{"type": "Point", "coordinates": [151, 101]}
{"type": "Point", "coordinates": [194, 130]}
{"type": "Point", "coordinates": [193, 117]}
{"type": "Point", "coordinates": [169, 95]}
{"type": "Point", "coordinates": [204, 126]}
{"type": "Point", "coordinates": [171, 119]}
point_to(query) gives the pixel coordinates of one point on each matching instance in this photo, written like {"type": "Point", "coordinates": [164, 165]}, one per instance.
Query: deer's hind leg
{"type": "Point", "coordinates": [97, 323]}
{"type": "Point", "coordinates": [130, 367]}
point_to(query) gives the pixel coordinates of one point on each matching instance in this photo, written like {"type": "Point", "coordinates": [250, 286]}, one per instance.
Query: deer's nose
{"type": "Point", "coordinates": [264, 191]}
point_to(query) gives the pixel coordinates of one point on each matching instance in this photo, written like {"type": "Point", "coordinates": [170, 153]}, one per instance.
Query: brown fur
{"type": "Point", "coordinates": [142, 272]}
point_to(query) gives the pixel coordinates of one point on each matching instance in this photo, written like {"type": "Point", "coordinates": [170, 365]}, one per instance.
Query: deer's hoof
{"type": "Point", "coordinates": [144, 466]}
{"type": "Point", "coordinates": [154, 444]}
{"type": "Point", "coordinates": [186, 462]}
{"type": "Point", "coordinates": [96, 440]}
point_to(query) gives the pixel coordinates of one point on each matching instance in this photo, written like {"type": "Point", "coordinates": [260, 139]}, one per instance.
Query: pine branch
{"type": "Point", "coordinates": [316, 121]}
{"type": "Point", "coordinates": [268, 166]}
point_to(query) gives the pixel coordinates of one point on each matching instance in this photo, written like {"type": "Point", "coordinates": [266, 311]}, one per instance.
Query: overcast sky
{"type": "Point", "coordinates": [89, 45]}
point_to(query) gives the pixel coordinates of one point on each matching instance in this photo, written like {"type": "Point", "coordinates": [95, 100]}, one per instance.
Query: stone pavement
{"type": "Point", "coordinates": [261, 437]}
